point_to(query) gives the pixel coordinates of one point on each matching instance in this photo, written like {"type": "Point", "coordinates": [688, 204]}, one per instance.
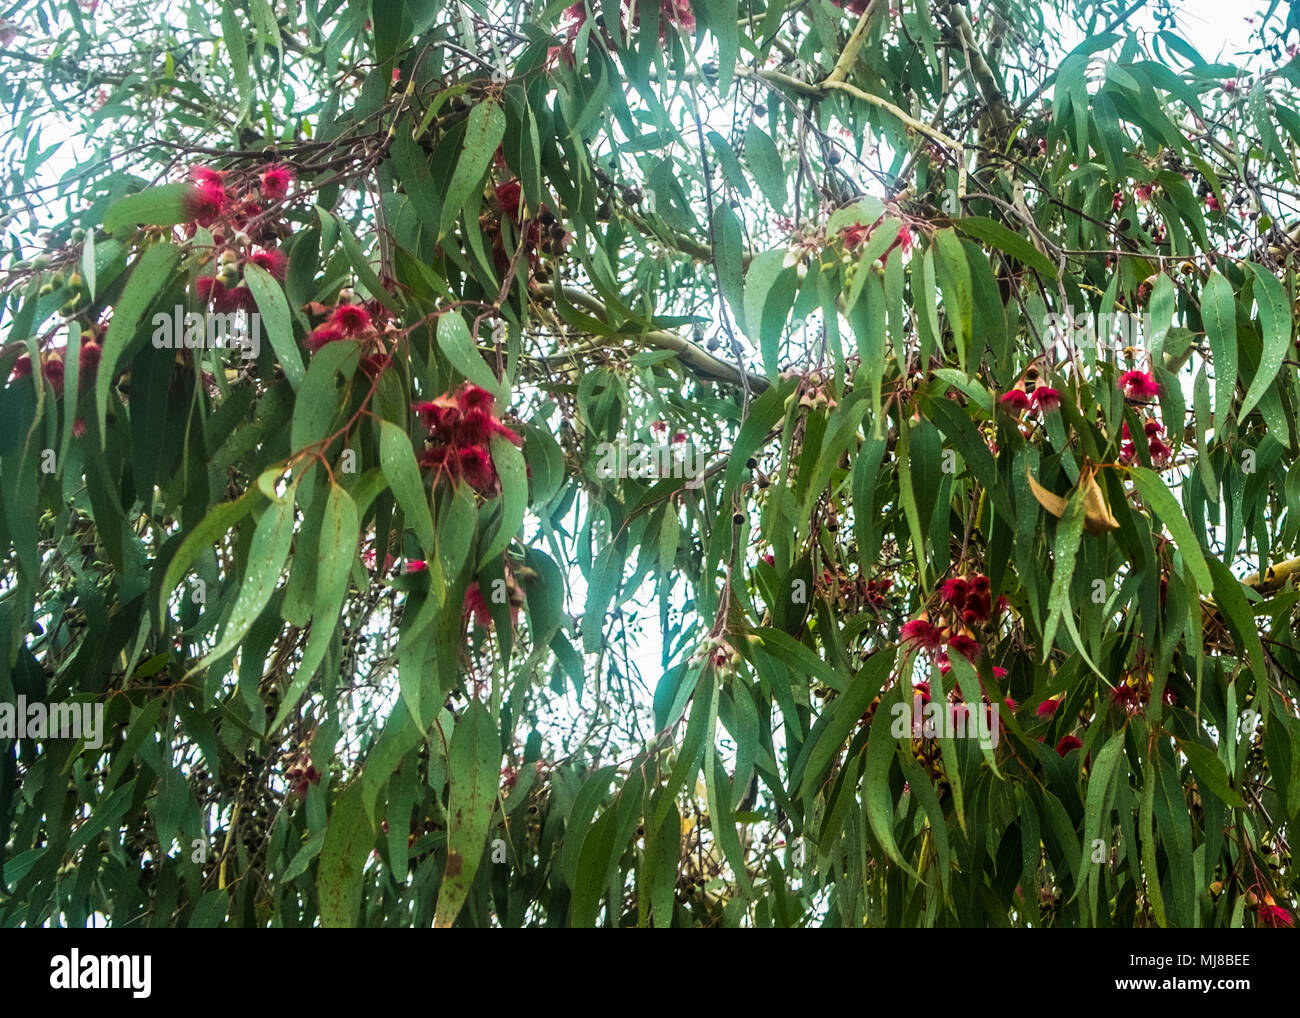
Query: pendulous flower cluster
{"type": "Point", "coordinates": [966, 602]}
{"type": "Point", "coordinates": [460, 429]}
{"type": "Point", "coordinates": [232, 206]}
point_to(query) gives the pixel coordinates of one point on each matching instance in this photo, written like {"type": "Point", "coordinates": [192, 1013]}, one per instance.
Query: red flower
{"type": "Point", "coordinates": [276, 181]}
{"type": "Point", "coordinates": [210, 289]}
{"type": "Point", "coordinates": [1160, 453]}
{"type": "Point", "coordinates": [1212, 203]}
{"type": "Point", "coordinates": [1117, 202]}
{"type": "Point", "coordinates": [206, 175]}
{"type": "Point", "coordinates": [1138, 385]}
{"type": "Point", "coordinates": [415, 565]}
{"type": "Point", "coordinates": [88, 360]}
{"type": "Point", "coordinates": [508, 195]}
{"type": "Point", "coordinates": [1067, 743]}
{"type": "Point", "coordinates": [966, 646]}
{"type": "Point", "coordinates": [1047, 398]}
{"type": "Point", "coordinates": [204, 203]}
{"type": "Point", "coordinates": [924, 689]}
{"type": "Point", "coordinates": [52, 370]}
{"type": "Point", "coordinates": [953, 591]}
{"type": "Point", "coordinates": [351, 319]}
{"type": "Point", "coordinates": [853, 236]}
{"type": "Point", "coordinates": [905, 240]}
{"type": "Point", "coordinates": [22, 368]}
{"type": "Point", "coordinates": [999, 672]}
{"type": "Point", "coordinates": [1142, 192]}
{"type": "Point", "coordinates": [272, 260]}
{"type": "Point", "coordinates": [437, 415]}
{"type": "Point", "coordinates": [1048, 708]}
{"type": "Point", "coordinates": [238, 299]}
{"type": "Point", "coordinates": [677, 12]}
{"type": "Point", "coordinates": [1275, 916]}
{"type": "Point", "coordinates": [476, 467]}
{"type": "Point", "coordinates": [475, 608]}
{"type": "Point", "coordinates": [1152, 429]}
{"type": "Point", "coordinates": [322, 335]}
{"type": "Point", "coordinates": [920, 633]}
{"type": "Point", "coordinates": [471, 397]}
{"type": "Point", "coordinates": [1016, 399]}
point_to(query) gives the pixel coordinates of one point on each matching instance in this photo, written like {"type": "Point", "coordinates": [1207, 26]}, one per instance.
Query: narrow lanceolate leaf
{"type": "Point", "coordinates": [397, 461]}
{"type": "Point", "coordinates": [1170, 513]}
{"type": "Point", "coordinates": [475, 762]}
{"type": "Point", "coordinates": [349, 838]}
{"type": "Point", "coordinates": [509, 462]}
{"type": "Point", "coordinates": [454, 340]}
{"type": "Point", "coordinates": [1219, 309]}
{"type": "Point", "coordinates": [214, 525]}
{"type": "Point", "coordinates": [1275, 323]}
{"type": "Point", "coordinates": [1069, 533]}
{"type": "Point", "coordinates": [276, 324]}
{"type": "Point", "coordinates": [483, 133]}
{"type": "Point", "coordinates": [266, 554]}
{"type": "Point", "coordinates": [148, 278]}
{"type": "Point", "coordinates": [154, 206]}
{"type": "Point", "coordinates": [334, 553]}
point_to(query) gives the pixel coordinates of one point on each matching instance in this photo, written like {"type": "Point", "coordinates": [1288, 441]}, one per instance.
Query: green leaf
{"type": "Point", "coordinates": [1275, 323]}
{"type": "Point", "coordinates": [475, 765]}
{"type": "Point", "coordinates": [397, 461]}
{"type": "Point", "coordinates": [154, 206]}
{"type": "Point", "coordinates": [1219, 310]}
{"type": "Point", "coordinates": [274, 310]}
{"type": "Point", "coordinates": [881, 746]}
{"type": "Point", "coordinates": [214, 525]}
{"type": "Point", "coordinates": [335, 551]}
{"type": "Point", "coordinates": [1069, 534]}
{"type": "Point", "coordinates": [1170, 513]}
{"type": "Point", "coordinates": [509, 462]}
{"type": "Point", "coordinates": [769, 294]}
{"type": "Point", "coordinates": [266, 555]}
{"type": "Point", "coordinates": [483, 133]}
{"type": "Point", "coordinates": [148, 278]}
{"type": "Point", "coordinates": [1210, 772]}
{"type": "Point", "coordinates": [349, 838]}
{"type": "Point", "coordinates": [996, 235]}
{"type": "Point", "coordinates": [454, 341]}
{"type": "Point", "coordinates": [765, 162]}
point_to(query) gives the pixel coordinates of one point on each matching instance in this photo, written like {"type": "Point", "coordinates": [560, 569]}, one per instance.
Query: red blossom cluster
{"type": "Point", "coordinates": [1043, 398]}
{"type": "Point", "coordinates": [53, 369]}
{"type": "Point", "coordinates": [965, 602]}
{"type": "Point", "coordinates": [231, 201]}
{"type": "Point", "coordinates": [461, 426]}
{"type": "Point", "coordinates": [541, 235]}
{"type": "Point", "coordinates": [1161, 454]}
{"type": "Point", "coordinates": [852, 592]}
{"type": "Point", "coordinates": [301, 776]}
{"type": "Point", "coordinates": [364, 322]}
{"type": "Point", "coordinates": [855, 235]}
{"type": "Point", "coordinates": [1133, 694]}
{"type": "Point", "coordinates": [230, 204]}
